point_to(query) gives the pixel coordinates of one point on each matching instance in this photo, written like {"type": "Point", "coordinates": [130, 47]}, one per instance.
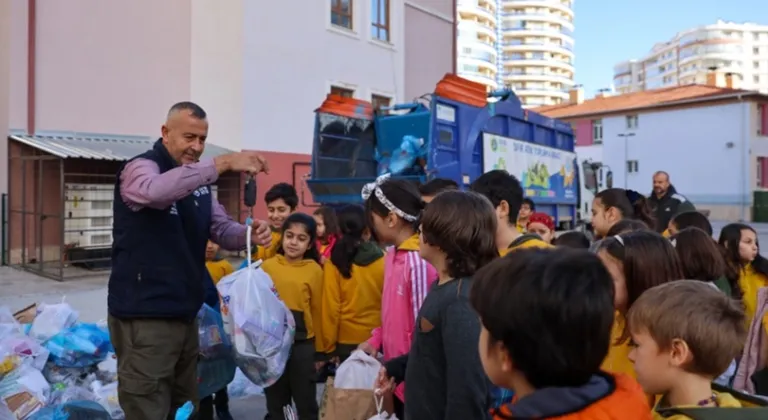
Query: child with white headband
{"type": "Point", "coordinates": [393, 208]}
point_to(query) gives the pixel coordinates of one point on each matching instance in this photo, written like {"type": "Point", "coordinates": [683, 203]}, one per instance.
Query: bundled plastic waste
{"type": "Point", "coordinates": [56, 368]}
{"type": "Point", "coordinates": [79, 346]}
{"type": "Point", "coordinates": [216, 367]}
{"type": "Point", "coordinates": [257, 322]}
{"type": "Point", "coordinates": [403, 160]}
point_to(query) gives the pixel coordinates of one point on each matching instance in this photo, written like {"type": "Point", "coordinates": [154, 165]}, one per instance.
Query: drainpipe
{"type": "Point", "coordinates": [746, 147]}
{"type": "Point", "coordinates": [31, 64]}
{"type": "Point", "coordinates": [455, 54]}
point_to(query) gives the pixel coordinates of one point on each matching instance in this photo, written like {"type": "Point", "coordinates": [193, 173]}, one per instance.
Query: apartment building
{"type": "Point", "coordinates": [536, 49]}
{"type": "Point", "coordinates": [738, 49]}
{"type": "Point", "coordinates": [477, 38]}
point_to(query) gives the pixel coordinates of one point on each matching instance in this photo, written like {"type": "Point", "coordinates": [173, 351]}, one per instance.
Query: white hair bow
{"type": "Point", "coordinates": [374, 188]}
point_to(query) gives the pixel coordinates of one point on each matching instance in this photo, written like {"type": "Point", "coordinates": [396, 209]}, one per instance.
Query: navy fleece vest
{"type": "Point", "coordinates": [158, 256]}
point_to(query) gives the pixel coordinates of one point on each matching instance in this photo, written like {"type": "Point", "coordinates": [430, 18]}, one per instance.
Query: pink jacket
{"type": "Point", "coordinates": [752, 359]}
{"type": "Point", "coordinates": [407, 279]}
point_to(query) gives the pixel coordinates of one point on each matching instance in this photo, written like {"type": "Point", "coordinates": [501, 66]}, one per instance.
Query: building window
{"type": "Point", "coordinates": [341, 13]}
{"type": "Point", "coordinates": [597, 131]}
{"type": "Point", "coordinates": [759, 172]}
{"type": "Point", "coordinates": [380, 20]}
{"type": "Point", "coordinates": [378, 101]}
{"type": "Point", "coordinates": [632, 166]}
{"type": "Point", "coordinates": [762, 120]}
{"type": "Point", "coordinates": [632, 122]}
{"type": "Point", "coordinates": [343, 92]}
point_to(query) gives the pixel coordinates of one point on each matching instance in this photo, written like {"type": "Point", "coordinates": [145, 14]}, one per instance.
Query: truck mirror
{"type": "Point", "coordinates": [609, 179]}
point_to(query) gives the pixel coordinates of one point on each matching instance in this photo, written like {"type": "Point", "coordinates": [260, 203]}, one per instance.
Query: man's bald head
{"type": "Point", "coordinates": [189, 108]}
{"type": "Point", "coordinates": [660, 183]}
{"type": "Point", "coordinates": [185, 131]}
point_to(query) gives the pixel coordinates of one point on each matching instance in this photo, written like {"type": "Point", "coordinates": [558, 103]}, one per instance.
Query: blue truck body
{"type": "Point", "coordinates": [345, 149]}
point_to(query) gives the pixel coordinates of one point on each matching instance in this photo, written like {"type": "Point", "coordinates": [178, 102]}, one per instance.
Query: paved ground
{"type": "Point", "coordinates": [88, 295]}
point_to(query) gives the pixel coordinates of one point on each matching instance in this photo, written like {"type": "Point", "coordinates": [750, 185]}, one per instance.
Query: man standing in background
{"type": "Point", "coordinates": [666, 201]}
{"type": "Point", "coordinates": [164, 215]}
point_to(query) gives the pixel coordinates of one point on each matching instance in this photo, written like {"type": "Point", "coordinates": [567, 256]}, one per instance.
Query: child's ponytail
{"type": "Point", "coordinates": [352, 225]}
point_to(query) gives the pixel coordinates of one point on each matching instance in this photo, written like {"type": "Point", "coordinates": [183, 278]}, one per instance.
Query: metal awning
{"type": "Point", "coordinates": [98, 147]}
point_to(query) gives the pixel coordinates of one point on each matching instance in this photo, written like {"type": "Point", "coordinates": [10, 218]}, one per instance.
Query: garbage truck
{"type": "Point", "coordinates": [458, 132]}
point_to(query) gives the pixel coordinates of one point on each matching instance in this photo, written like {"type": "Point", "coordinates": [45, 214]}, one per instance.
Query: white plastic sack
{"type": "Point", "coordinates": [106, 396]}
{"type": "Point", "coordinates": [23, 392]}
{"type": "Point", "coordinates": [259, 325]}
{"type": "Point", "coordinates": [381, 414]}
{"type": "Point", "coordinates": [241, 386]}
{"type": "Point", "coordinates": [52, 319]}
{"type": "Point", "coordinates": [8, 324]}
{"type": "Point", "coordinates": [18, 349]}
{"type": "Point", "coordinates": [359, 371]}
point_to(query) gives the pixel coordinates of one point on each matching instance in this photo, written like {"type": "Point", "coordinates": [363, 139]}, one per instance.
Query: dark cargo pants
{"type": "Point", "coordinates": [297, 383]}
{"type": "Point", "coordinates": [156, 366]}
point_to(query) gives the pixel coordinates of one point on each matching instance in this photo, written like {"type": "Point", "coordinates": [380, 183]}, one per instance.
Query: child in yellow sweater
{"type": "Point", "coordinates": [217, 266]}
{"type": "Point", "coordinates": [352, 287]}
{"type": "Point", "coordinates": [298, 279]}
{"type": "Point", "coordinates": [637, 261]}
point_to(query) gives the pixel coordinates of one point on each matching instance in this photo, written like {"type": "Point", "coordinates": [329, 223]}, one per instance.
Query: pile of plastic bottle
{"type": "Point", "coordinates": [57, 368]}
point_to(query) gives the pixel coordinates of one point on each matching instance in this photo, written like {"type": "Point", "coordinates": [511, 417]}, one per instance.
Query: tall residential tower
{"type": "Point", "coordinates": [478, 52]}
{"type": "Point", "coordinates": [537, 49]}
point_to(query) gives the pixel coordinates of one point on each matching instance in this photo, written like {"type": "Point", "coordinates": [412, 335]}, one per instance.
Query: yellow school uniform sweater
{"type": "Point", "coordinates": [262, 253]}
{"type": "Point", "coordinates": [523, 242]}
{"type": "Point", "coordinates": [724, 400]}
{"type": "Point", "coordinates": [617, 360]}
{"type": "Point", "coordinates": [352, 306]}
{"type": "Point", "coordinates": [218, 269]}
{"type": "Point", "coordinates": [300, 285]}
{"type": "Point", "coordinates": [750, 281]}
{"type": "Point", "coordinates": [521, 227]}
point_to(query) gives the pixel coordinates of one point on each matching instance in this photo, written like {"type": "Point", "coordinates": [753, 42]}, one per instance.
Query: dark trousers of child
{"type": "Point", "coordinates": [297, 384]}
{"type": "Point", "coordinates": [399, 408]}
{"type": "Point", "coordinates": [218, 402]}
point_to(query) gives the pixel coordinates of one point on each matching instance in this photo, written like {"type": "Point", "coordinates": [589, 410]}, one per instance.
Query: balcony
{"type": "Point", "coordinates": [474, 43]}
{"type": "Point", "coordinates": [538, 17]}
{"type": "Point", "coordinates": [542, 91]}
{"type": "Point", "coordinates": [518, 45]}
{"type": "Point", "coordinates": [721, 52]}
{"type": "Point", "coordinates": [538, 75]}
{"type": "Point", "coordinates": [479, 78]}
{"type": "Point", "coordinates": [477, 27]}
{"type": "Point", "coordinates": [540, 30]}
{"type": "Point", "coordinates": [563, 6]}
{"type": "Point", "coordinates": [472, 8]}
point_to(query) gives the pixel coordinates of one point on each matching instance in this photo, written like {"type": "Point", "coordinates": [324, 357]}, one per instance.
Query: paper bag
{"type": "Point", "coordinates": [347, 404]}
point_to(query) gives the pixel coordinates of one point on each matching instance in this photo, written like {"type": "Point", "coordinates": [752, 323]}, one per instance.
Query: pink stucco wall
{"type": "Point", "coordinates": [102, 66]}
{"type": "Point", "coordinates": [427, 62]}
{"type": "Point", "coordinates": [583, 132]}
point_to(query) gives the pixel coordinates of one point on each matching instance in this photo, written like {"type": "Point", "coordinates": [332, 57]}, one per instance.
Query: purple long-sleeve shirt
{"type": "Point", "coordinates": [142, 185]}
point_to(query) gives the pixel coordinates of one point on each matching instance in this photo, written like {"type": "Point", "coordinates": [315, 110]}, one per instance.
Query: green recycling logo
{"type": "Point", "coordinates": [501, 164]}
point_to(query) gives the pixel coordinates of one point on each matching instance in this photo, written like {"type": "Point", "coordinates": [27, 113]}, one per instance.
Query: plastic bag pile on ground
{"type": "Point", "coordinates": [56, 368]}
{"type": "Point", "coordinates": [53, 362]}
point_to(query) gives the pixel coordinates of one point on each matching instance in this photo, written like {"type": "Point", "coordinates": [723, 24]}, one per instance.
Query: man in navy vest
{"type": "Point", "coordinates": [164, 215]}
